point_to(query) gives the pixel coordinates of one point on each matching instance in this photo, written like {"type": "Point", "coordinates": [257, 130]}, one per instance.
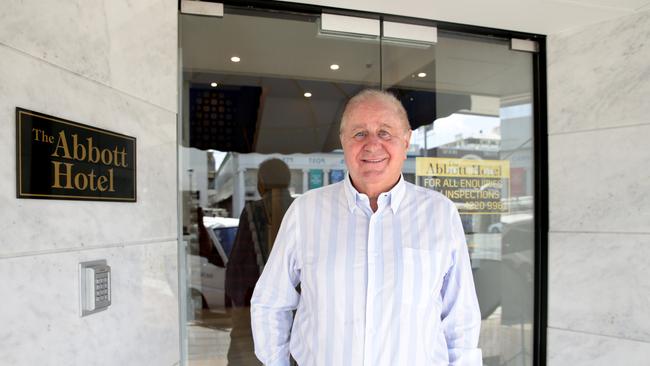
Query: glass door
{"type": "Point", "coordinates": [262, 94]}
{"type": "Point", "coordinates": [469, 101]}
{"type": "Point", "coordinates": [262, 97]}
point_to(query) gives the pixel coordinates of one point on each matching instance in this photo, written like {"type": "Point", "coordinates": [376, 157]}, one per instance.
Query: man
{"type": "Point", "coordinates": [383, 266]}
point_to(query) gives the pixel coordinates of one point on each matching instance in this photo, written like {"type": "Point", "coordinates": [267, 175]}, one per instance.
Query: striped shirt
{"type": "Point", "coordinates": [391, 287]}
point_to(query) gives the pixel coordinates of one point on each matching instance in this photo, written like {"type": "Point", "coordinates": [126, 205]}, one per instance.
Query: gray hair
{"type": "Point", "coordinates": [385, 98]}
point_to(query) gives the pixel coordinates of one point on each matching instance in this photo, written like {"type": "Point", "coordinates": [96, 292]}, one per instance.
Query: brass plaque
{"type": "Point", "coordinates": [61, 159]}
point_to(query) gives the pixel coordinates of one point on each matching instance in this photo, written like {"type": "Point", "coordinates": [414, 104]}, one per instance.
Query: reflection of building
{"type": "Point", "coordinates": [515, 123]}
{"type": "Point", "coordinates": [236, 178]}
{"type": "Point", "coordinates": [489, 145]}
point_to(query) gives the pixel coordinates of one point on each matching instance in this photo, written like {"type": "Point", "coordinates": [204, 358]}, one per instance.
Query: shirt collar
{"type": "Point", "coordinates": [395, 195]}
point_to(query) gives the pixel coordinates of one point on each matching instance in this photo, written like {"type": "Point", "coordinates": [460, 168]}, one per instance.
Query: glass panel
{"type": "Point", "coordinates": [281, 99]}
{"type": "Point", "coordinates": [469, 100]}
{"type": "Point", "coordinates": [259, 85]}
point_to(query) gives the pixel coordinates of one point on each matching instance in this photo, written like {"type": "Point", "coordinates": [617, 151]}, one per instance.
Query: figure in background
{"type": "Point", "coordinates": [259, 223]}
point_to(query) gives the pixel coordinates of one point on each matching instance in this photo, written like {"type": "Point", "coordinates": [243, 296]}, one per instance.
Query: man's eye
{"type": "Point", "coordinates": [384, 134]}
{"type": "Point", "coordinates": [359, 135]}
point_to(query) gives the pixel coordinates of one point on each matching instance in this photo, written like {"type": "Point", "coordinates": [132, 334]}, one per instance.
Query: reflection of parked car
{"type": "Point", "coordinates": [501, 278]}
{"type": "Point", "coordinates": [208, 276]}
{"type": "Point", "coordinates": [222, 230]}
{"type": "Point", "coordinates": [518, 232]}
{"type": "Point", "coordinates": [497, 227]}
{"type": "Point", "coordinates": [518, 268]}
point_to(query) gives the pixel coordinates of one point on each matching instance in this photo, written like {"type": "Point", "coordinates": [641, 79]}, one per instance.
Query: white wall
{"type": "Point", "coordinates": [535, 16]}
{"type": "Point", "coordinates": [599, 246]}
{"type": "Point", "coordinates": [111, 64]}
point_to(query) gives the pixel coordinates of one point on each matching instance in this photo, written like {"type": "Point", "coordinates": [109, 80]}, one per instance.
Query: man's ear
{"type": "Point", "coordinates": [407, 138]}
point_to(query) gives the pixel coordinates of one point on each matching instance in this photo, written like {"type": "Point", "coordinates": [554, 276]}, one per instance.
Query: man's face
{"type": "Point", "coordinates": [374, 142]}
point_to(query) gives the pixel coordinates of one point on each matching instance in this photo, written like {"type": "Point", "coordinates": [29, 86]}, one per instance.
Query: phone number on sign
{"type": "Point", "coordinates": [484, 205]}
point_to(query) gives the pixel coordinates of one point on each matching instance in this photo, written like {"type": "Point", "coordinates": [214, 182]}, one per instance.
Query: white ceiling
{"type": "Point", "coordinates": [534, 16]}
{"type": "Point", "coordinates": [285, 48]}
{"type": "Point", "coordinates": [287, 57]}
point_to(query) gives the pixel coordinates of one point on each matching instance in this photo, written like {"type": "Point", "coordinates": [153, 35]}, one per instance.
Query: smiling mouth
{"type": "Point", "coordinates": [373, 161]}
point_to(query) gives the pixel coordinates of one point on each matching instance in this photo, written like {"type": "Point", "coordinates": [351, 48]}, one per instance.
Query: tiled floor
{"type": "Point", "coordinates": [217, 339]}
{"type": "Point", "coordinates": [210, 339]}
{"type": "Point", "coordinates": [207, 346]}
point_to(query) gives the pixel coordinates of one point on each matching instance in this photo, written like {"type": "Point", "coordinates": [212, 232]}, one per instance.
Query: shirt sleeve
{"type": "Point", "coordinates": [461, 315]}
{"type": "Point", "coordinates": [275, 296]}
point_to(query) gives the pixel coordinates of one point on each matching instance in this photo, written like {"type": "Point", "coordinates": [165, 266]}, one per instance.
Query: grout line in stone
{"type": "Point", "coordinates": [599, 335]}
{"type": "Point", "coordinates": [86, 248]}
{"type": "Point", "coordinates": [641, 233]}
{"type": "Point", "coordinates": [85, 77]}
{"type": "Point", "coordinates": [599, 129]}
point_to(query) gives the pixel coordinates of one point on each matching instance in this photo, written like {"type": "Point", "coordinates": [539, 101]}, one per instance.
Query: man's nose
{"type": "Point", "coordinates": [372, 142]}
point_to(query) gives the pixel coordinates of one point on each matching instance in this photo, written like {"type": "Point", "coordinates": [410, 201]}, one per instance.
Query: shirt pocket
{"type": "Point", "coordinates": [422, 274]}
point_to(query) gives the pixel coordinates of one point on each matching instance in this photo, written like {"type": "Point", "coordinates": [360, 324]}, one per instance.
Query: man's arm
{"type": "Point", "coordinates": [461, 315]}
{"type": "Point", "coordinates": [275, 296]}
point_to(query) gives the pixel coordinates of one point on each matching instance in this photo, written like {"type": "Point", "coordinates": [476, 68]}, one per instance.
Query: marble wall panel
{"type": "Point", "coordinates": [567, 348]}
{"type": "Point", "coordinates": [64, 33]}
{"type": "Point", "coordinates": [598, 283]}
{"type": "Point", "coordinates": [599, 181]}
{"type": "Point", "coordinates": [130, 45]}
{"type": "Point", "coordinates": [599, 76]}
{"type": "Point", "coordinates": [143, 49]}
{"type": "Point", "coordinates": [40, 309]}
{"type": "Point", "coordinates": [35, 225]}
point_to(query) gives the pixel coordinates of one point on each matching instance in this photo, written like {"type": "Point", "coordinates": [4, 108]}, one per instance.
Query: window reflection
{"type": "Point", "coordinates": [473, 110]}
{"type": "Point", "coordinates": [259, 223]}
{"type": "Point", "coordinates": [471, 104]}
{"type": "Point", "coordinates": [229, 253]}
{"type": "Point", "coordinates": [496, 205]}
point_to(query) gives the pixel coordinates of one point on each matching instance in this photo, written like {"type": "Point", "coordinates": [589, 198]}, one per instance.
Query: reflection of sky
{"type": "Point", "coordinates": [446, 130]}
{"type": "Point", "coordinates": [517, 111]}
{"type": "Point", "coordinates": [218, 158]}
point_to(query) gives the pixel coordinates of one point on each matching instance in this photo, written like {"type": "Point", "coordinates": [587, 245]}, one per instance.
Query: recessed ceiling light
{"type": "Point", "coordinates": [214, 85]}
{"type": "Point", "coordinates": [422, 75]}
{"type": "Point", "coordinates": [307, 95]}
{"type": "Point", "coordinates": [235, 59]}
{"type": "Point", "coordinates": [334, 66]}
